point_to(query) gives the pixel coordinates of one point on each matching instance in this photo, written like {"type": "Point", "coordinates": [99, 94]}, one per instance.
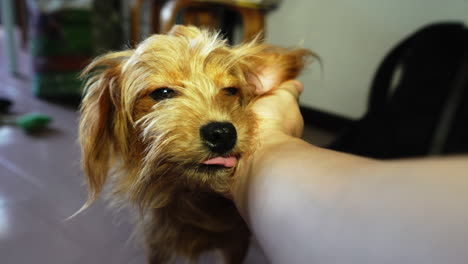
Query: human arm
{"type": "Point", "coordinates": [306, 204]}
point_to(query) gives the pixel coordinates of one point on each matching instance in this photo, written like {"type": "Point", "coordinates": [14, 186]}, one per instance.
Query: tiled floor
{"type": "Point", "coordinates": [41, 185]}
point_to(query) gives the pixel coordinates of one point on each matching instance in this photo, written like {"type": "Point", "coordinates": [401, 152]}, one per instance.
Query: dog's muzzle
{"type": "Point", "coordinates": [219, 137]}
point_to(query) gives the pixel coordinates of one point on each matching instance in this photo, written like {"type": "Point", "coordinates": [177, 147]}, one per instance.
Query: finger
{"type": "Point", "coordinates": [293, 87]}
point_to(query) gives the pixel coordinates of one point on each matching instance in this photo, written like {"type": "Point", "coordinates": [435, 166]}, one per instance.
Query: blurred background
{"type": "Point", "coordinates": [392, 83]}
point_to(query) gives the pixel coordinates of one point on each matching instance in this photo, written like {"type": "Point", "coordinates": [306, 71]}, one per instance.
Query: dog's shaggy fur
{"type": "Point", "coordinates": [140, 131]}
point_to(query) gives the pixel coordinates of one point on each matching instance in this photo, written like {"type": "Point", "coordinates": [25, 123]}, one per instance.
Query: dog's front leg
{"type": "Point", "coordinates": [236, 249]}
{"type": "Point", "coordinates": [159, 236]}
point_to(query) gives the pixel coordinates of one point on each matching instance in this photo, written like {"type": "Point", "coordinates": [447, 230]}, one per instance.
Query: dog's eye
{"type": "Point", "coordinates": [163, 94]}
{"type": "Point", "coordinates": [231, 91]}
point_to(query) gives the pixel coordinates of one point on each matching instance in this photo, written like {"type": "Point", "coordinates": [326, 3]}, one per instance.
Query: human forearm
{"type": "Point", "coordinates": [285, 179]}
{"type": "Point", "coordinates": [306, 204]}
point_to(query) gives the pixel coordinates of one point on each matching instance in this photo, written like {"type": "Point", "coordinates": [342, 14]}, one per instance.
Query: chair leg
{"type": "Point", "coordinates": [253, 22]}
{"type": "Point", "coordinates": [135, 20]}
{"type": "Point", "coordinates": [155, 14]}
{"type": "Point", "coordinates": [200, 17]}
{"type": "Point", "coordinates": [8, 18]}
{"type": "Point", "coordinates": [22, 22]}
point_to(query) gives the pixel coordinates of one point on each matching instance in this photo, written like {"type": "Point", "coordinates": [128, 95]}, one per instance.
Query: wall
{"type": "Point", "coordinates": [351, 37]}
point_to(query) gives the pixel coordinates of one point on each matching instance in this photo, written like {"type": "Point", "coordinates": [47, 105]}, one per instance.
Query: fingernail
{"type": "Point", "coordinates": [298, 85]}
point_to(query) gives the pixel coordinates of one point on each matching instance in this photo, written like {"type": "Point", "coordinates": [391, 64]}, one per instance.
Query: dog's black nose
{"type": "Point", "coordinates": [219, 137]}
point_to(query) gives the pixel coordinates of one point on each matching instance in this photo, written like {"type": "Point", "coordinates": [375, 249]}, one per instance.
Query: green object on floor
{"type": "Point", "coordinates": [33, 122]}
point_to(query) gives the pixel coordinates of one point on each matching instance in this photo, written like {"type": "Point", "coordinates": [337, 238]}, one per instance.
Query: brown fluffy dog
{"type": "Point", "coordinates": [167, 124]}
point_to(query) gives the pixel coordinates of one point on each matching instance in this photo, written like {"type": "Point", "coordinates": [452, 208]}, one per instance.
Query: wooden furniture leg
{"type": "Point", "coordinates": [135, 20]}
{"type": "Point", "coordinates": [155, 12]}
{"type": "Point", "coordinates": [253, 22]}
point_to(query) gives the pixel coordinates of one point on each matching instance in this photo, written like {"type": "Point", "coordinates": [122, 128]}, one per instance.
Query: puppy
{"type": "Point", "coordinates": [167, 124]}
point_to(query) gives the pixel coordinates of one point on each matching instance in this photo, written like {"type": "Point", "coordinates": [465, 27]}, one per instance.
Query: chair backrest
{"type": "Point", "coordinates": [425, 110]}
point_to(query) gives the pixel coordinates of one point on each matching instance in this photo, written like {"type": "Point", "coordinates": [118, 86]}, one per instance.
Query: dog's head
{"type": "Point", "coordinates": [173, 114]}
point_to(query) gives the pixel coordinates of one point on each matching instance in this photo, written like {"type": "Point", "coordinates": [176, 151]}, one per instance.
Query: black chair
{"type": "Point", "coordinates": [424, 111]}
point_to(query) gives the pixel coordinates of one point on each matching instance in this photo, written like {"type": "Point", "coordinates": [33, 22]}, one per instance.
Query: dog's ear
{"type": "Point", "coordinates": [184, 31]}
{"type": "Point", "coordinates": [266, 66]}
{"type": "Point", "coordinates": [98, 117]}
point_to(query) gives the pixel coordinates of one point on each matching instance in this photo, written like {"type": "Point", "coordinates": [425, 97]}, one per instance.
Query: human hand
{"type": "Point", "coordinates": [279, 121]}
{"type": "Point", "coordinates": [278, 112]}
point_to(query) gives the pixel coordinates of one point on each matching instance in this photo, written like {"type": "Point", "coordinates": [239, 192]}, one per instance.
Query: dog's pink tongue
{"type": "Point", "coordinates": [223, 161]}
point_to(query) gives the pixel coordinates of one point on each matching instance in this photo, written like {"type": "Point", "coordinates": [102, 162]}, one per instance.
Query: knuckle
{"type": "Point", "coordinates": [287, 93]}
